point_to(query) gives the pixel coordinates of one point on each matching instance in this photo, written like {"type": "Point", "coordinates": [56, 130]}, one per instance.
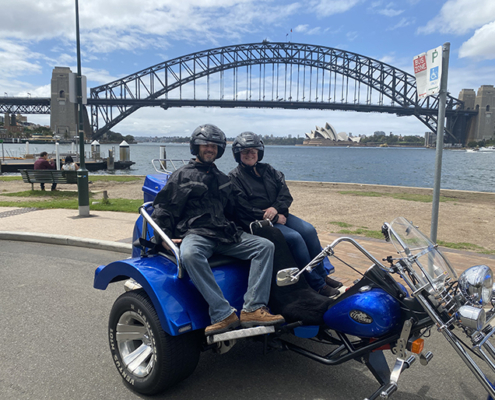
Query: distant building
{"type": "Point", "coordinates": [430, 139]}
{"type": "Point", "coordinates": [328, 132]}
{"type": "Point", "coordinates": [483, 125]}
{"type": "Point", "coordinates": [63, 115]}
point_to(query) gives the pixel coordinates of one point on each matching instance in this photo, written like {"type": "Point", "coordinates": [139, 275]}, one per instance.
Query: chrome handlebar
{"type": "Point", "coordinates": [173, 247]}
{"type": "Point", "coordinates": [328, 251]}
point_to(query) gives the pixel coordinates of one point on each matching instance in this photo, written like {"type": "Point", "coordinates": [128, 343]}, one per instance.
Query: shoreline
{"type": "Point", "coordinates": [388, 186]}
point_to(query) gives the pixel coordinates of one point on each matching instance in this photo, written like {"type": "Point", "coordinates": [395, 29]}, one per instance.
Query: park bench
{"type": "Point", "coordinates": [48, 176]}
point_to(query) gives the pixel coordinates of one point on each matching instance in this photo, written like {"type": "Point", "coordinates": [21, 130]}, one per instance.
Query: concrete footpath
{"type": "Point", "coordinates": [112, 231]}
{"type": "Point", "coordinates": [104, 230]}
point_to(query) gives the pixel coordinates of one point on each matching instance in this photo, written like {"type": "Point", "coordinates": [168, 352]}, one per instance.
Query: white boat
{"type": "Point", "coordinates": [487, 149]}
{"type": "Point", "coordinates": [472, 150]}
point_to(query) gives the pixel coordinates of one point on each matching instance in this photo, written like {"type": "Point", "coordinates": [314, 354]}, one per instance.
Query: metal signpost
{"type": "Point", "coordinates": [431, 70]}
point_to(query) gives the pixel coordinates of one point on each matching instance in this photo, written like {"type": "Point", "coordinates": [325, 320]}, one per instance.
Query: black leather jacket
{"type": "Point", "coordinates": [256, 194]}
{"type": "Point", "coordinates": [199, 199]}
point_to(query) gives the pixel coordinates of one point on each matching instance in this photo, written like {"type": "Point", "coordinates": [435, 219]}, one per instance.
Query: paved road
{"type": "Point", "coordinates": [53, 345]}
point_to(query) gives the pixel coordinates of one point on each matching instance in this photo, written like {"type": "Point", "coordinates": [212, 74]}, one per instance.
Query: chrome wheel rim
{"type": "Point", "coordinates": [135, 344]}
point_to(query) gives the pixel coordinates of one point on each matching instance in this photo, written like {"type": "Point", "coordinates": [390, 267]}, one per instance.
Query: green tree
{"type": "Point", "coordinates": [44, 131]}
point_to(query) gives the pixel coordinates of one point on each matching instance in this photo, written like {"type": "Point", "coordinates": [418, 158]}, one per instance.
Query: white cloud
{"type": "Point", "coordinates": [388, 59]}
{"type": "Point", "coordinates": [133, 24]}
{"type": "Point", "coordinates": [99, 76]}
{"type": "Point", "coordinates": [463, 78]}
{"type": "Point", "coordinates": [17, 59]}
{"type": "Point", "coordinates": [42, 91]}
{"type": "Point", "coordinates": [481, 45]}
{"type": "Point", "coordinates": [390, 12]}
{"type": "Point", "coordinates": [35, 20]}
{"type": "Point", "coordinates": [351, 36]}
{"type": "Point", "coordinates": [461, 16]}
{"type": "Point", "coordinates": [314, 31]}
{"type": "Point", "coordinates": [324, 8]}
{"type": "Point", "coordinates": [402, 23]}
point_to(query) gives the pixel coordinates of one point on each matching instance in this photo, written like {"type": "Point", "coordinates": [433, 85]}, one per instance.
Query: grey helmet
{"type": "Point", "coordinates": [206, 134]}
{"type": "Point", "coordinates": [248, 140]}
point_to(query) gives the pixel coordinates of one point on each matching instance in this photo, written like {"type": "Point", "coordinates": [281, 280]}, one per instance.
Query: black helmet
{"type": "Point", "coordinates": [206, 134]}
{"type": "Point", "coordinates": [247, 140]}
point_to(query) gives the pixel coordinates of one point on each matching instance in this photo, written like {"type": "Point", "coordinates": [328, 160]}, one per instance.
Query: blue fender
{"type": "Point", "coordinates": [179, 305]}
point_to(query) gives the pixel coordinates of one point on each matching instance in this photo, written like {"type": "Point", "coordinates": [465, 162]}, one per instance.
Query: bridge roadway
{"type": "Point", "coordinates": [41, 105]}
{"type": "Point", "coordinates": [25, 105]}
{"type": "Point", "coordinates": [54, 323]}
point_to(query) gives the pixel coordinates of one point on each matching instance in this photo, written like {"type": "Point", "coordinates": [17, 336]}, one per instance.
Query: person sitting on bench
{"type": "Point", "coordinates": [44, 163]}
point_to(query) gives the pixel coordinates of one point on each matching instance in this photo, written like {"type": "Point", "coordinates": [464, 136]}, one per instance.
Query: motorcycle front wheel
{"type": "Point", "coordinates": [148, 359]}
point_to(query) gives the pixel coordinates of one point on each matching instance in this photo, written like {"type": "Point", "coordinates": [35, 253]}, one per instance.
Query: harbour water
{"type": "Point", "coordinates": [369, 165]}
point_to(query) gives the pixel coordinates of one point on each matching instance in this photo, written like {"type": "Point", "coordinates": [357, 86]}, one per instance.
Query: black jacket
{"type": "Point", "coordinates": [199, 199]}
{"type": "Point", "coordinates": [256, 194]}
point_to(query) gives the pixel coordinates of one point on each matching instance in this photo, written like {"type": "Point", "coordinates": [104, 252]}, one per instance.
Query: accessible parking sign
{"type": "Point", "coordinates": [428, 72]}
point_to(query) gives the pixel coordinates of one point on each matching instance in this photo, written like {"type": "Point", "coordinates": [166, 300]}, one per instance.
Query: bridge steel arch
{"type": "Point", "coordinates": [114, 101]}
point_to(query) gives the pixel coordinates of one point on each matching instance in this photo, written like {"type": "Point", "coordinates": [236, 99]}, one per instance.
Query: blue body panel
{"type": "Point", "coordinates": [138, 229]}
{"type": "Point", "coordinates": [152, 185]}
{"type": "Point", "coordinates": [383, 309]}
{"type": "Point", "coordinates": [177, 301]}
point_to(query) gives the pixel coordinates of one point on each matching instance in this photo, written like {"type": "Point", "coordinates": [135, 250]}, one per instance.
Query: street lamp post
{"type": "Point", "coordinates": [82, 173]}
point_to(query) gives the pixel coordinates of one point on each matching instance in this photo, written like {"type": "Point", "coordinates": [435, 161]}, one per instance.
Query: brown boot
{"type": "Point", "coordinates": [229, 323]}
{"type": "Point", "coordinates": [260, 317]}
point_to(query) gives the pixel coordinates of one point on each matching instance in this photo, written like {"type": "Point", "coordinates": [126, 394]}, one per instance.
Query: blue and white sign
{"type": "Point", "coordinates": [428, 72]}
{"type": "Point", "coordinates": [434, 74]}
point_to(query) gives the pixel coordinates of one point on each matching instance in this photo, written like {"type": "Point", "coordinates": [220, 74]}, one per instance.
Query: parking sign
{"type": "Point", "coordinates": [428, 72]}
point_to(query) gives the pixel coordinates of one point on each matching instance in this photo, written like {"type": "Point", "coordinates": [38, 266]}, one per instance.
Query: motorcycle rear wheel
{"type": "Point", "coordinates": [148, 359]}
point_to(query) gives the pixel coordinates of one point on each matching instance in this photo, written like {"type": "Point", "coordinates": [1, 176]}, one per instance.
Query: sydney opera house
{"type": "Point", "coordinates": [328, 136]}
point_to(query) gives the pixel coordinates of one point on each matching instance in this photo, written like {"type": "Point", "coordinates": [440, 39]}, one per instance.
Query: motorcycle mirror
{"type": "Point", "coordinates": [286, 277]}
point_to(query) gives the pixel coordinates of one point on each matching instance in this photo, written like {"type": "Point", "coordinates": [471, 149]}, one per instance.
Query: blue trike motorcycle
{"type": "Point", "coordinates": [156, 328]}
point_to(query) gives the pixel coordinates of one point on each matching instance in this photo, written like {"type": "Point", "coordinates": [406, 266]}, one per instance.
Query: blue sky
{"type": "Point", "coordinates": [121, 37]}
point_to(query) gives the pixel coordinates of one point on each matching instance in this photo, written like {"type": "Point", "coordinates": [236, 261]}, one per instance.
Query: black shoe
{"type": "Point", "coordinates": [329, 291]}
{"type": "Point", "coordinates": [332, 282]}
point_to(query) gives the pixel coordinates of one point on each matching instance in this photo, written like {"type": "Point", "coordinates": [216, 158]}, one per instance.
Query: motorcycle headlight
{"type": "Point", "coordinates": [472, 317]}
{"type": "Point", "coordinates": [476, 284]}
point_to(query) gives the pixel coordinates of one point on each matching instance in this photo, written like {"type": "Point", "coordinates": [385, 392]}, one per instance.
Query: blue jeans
{"type": "Point", "coordinates": [194, 253]}
{"type": "Point", "coordinates": [304, 244]}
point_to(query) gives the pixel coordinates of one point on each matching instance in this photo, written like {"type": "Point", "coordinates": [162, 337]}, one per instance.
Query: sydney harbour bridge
{"type": "Point", "coordinates": [263, 75]}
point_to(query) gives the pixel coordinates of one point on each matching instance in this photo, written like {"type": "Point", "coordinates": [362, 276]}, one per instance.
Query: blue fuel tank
{"type": "Point", "coordinates": [368, 314]}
